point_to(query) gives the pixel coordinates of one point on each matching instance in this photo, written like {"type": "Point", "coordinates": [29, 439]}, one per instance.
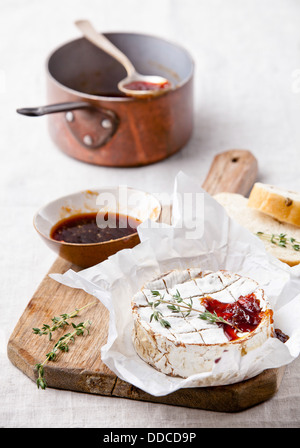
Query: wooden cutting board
{"type": "Point", "coordinates": [82, 370]}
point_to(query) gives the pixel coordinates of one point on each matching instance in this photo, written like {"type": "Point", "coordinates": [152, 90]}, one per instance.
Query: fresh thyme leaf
{"type": "Point", "coordinates": [165, 323]}
{"type": "Point", "coordinates": [177, 296]}
{"type": "Point", "coordinates": [155, 293]}
{"type": "Point", "coordinates": [41, 383]}
{"type": "Point", "coordinates": [174, 308]}
{"type": "Point", "coordinates": [157, 315]}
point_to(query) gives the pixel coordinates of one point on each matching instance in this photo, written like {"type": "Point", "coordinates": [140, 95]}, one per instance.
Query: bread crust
{"type": "Point", "coordinates": [281, 204]}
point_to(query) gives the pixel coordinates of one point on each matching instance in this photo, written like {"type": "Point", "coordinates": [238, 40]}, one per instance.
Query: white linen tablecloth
{"type": "Point", "coordinates": [247, 95]}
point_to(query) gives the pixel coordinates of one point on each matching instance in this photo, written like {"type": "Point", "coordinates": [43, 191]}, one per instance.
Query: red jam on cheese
{"type": "Point", "coordinates": [244, 315]}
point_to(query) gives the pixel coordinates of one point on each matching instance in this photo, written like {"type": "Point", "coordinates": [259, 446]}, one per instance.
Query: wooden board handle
{"type": "Point", "coordinates": [232, 171]}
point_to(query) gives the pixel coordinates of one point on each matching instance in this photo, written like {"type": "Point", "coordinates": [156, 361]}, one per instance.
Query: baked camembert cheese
{"type": "Point", "coordinates": [186, 319]}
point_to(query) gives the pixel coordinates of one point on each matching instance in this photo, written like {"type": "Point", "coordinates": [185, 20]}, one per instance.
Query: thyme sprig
{"type": "Point", "coordinates": [214, 318]}
{"type": "Point", "coordinates": [157, 314]}
{"type": "Point", "coordinates": [63, 345]}
{"type": "Point", "coordinates": [58, 322]}
{"type": "Point", "coordinates": [281, 240]}
{"type": "Point", "coordinates": [177, 308]}
{"type": "Point", "coordinates": [181, 303]}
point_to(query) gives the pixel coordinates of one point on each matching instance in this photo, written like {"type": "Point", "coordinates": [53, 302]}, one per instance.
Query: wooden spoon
{"type": "Point", "coordinates": [135, 84]}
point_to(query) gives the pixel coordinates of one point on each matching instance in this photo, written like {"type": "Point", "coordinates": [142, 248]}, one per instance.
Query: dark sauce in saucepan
{"type": "Point", "coordinates": [109, 94]}
{"type": "Point", "coordinates": [143, 85]}
{"type": "Point", "coordinates": [89, 228]}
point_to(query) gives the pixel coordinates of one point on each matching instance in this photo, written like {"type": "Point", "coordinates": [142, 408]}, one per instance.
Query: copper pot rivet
{"type": "Point", "coordinates": [106, 123]}
{"type": "Point", "coordinates": [69, 116]}
{"type": "Point", "coordinates": [87, 140]}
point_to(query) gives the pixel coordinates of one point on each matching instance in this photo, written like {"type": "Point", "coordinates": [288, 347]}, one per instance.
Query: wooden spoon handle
{"type": "Point", "coordinates": [232, 171]}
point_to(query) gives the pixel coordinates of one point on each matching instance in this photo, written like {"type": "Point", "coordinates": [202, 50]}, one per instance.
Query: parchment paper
{"type": "Point", "coordinates": [206, 238]}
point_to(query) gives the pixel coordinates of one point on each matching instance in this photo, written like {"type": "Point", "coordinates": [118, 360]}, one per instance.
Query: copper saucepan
{"type": "Point", "coordinates": [91, 120]}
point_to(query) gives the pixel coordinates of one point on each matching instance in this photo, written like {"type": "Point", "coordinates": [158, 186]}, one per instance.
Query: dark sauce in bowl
{"type": "Point", "coordinates": [91, 228]}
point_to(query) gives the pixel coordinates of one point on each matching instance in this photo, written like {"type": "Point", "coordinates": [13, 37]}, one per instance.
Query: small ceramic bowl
{"type": "Point", "coordinates": [123, 200]}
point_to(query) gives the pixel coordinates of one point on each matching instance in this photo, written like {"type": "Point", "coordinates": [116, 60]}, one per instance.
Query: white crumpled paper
{"type": "Point", "coordinates": [223, 245]}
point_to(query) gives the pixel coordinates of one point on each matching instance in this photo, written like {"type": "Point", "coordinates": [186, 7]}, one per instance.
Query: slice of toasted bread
{"type": "Point", "coordinates": [281, 204]}
{"type": "Point", "coordinates": [255, 221]}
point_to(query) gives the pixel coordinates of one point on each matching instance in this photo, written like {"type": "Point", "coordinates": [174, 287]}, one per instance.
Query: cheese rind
{"type": "Point", "coordinates": [188, 345]}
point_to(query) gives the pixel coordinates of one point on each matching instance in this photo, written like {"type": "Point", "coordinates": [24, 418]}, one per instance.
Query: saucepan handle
{"type": "Point", "coordinates": [53, 108]}
{"type": "Point", "coordinates": [91, 126]}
